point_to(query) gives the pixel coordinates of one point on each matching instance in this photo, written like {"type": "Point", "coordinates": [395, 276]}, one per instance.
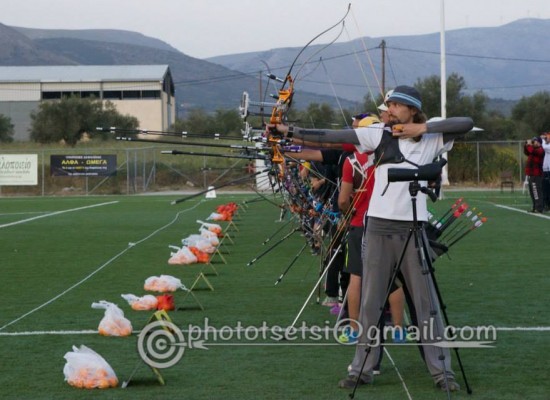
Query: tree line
{"type": "Point", "coordinates": [69, 119]}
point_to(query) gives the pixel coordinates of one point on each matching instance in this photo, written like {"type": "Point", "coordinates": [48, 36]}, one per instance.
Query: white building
{"type": "Point", "coordinates": [143, 91]}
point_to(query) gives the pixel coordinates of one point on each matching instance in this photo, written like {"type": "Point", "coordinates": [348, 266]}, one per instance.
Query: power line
{"type": "Point", "coordinates": [473, 56]}
{"type": "Point", "coordinates": [252, 74]}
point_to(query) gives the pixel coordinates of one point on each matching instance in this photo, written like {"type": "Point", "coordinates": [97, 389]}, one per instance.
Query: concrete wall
{"type": "Point", "coordinates": [17, 100]}
{"type": "Point", "coordinates": [20, 114]}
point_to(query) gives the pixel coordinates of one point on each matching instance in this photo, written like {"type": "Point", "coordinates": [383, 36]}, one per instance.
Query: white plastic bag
{"type": "Point", "coordinates": [217, 229]}
{"type": "Point", "coordinates": [211, 236]}
{"type": "Point", "coordinates": [87, 369]}
{"type": "Point", "coordinates": [200, 243]}
{"type": "Point", "coordinates": [163, 284]}
{"type": "Point", "coordinates": [147, 302]}
{"type": "Point", "coordinates": [216, 217]}
{"type": "Point", "coordinates": [182, 256]}
{"type": "Point", "coordinates": [113, 323]}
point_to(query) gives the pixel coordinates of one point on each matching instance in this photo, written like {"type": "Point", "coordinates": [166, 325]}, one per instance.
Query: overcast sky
{"type": "Point", "coordinates": [205, 28]}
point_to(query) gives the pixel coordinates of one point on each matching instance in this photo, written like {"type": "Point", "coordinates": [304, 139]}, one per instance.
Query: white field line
{"type": "Point", "coordinates": [23, 213]}
{"type": "Point", "coordinates": [130, 245]}
{"type": "Point", "coordinates": [55, 213]}
{"type": "Point", "coordinates": [226, 330]}
{"type": "Point", "coordinates": [56, 333]}
{"type": "Point", "coordinates": [398, 373]}
{"type": "Point", "coordinates": [522, 211]}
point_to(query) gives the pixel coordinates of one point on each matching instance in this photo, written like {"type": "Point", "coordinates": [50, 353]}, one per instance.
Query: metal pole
{"type": "Point", "coordinates": [134, 178]}
{"type": "Point", "coordinates": [144, 154]}
{"type": "Point", "coordinates": [154, 168]}
{"type": "Point", "coordinates": [519, 161]}
{"type": "Point", "coordinates": [383, 47]}
{"type": "Point", "coordinates": [443, 85]}
{"type": "Point", "coordinates": [204, 183]}
{"type": "Point", "coordinates": [43, 173]}
{"type": "Point", "coordinates": [478, 166]}
{"type": "Point", "coordinates": [127, 171]}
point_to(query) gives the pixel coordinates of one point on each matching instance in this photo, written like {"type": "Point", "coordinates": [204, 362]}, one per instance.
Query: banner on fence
{"type": "Point", "coordinates": [83, 165]}
{"type": "Point", "coordinates": [18, 169]}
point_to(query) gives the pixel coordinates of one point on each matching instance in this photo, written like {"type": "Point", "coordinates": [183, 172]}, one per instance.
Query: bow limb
{"type": "Point", "coordinates": [315, 38]}
{"type": "Point", "coordinates": [285, 95]}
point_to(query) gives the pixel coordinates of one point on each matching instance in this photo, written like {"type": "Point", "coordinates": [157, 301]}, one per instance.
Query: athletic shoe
{"type": "Point", "coordinates": [349, 336]}
{"type": "Point", "coordinates": [374, 371]}
{"type": "Point", "coordinates": [449, 383]}
{"type": "Point", "coordinates": [351, 380]}
{"type": "Point", "coordinates": [330, 301]}
{"type": "Point", "coordinates": [399, 335]}
{"type": "Point", "coordinates": [336, 309]}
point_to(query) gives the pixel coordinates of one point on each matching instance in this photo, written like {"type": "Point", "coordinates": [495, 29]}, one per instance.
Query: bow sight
{"type": "Point", "coordinates": [278, 115]}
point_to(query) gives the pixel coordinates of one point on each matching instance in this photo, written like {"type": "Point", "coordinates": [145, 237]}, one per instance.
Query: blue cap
{"type": "Point", "coordinates": [406, 95]}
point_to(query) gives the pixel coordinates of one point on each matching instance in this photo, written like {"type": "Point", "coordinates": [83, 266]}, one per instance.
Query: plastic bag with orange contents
{"type": "Point", "coordinates": [113, 323]}
{"type": "Point", "coordinates": [163, 284]}
{"type": "Point", "coordinates": [217, 229]}
{"type": "Point", "coordinates": [202, 257]}
{"type": "Point", "coordinates": [200, 243]}
{"type": "Point", "coordinates": [88, 370]}
{"type": "Point", "coordinates": [166, 302]}
{"type": "Point", "coordinates": [221, 216]}
{"type": "Point", "coordinates": [143, 303]}
{"type": "Point", "coordinates": [229, 208]}
{"type": "Point", "coordinates": [210, 236]}
{"type": "Point", "coordinates": [182, 256]}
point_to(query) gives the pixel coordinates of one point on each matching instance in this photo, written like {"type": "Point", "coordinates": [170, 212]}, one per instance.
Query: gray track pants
{"type": "Point", "coordinates": [384, 242]}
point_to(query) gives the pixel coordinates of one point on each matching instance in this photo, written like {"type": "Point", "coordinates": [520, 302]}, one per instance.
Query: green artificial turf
{"type": "Point", "coordinates": [53, 268]}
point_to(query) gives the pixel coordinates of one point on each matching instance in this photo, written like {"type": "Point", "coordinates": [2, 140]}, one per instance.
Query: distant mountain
{"type": "Point", "coordinates": [18, 49]}
{"type": "Point", "coordinates": [507, 62]}
{"type": "Point", "coordinates": [98, 35]}
{"type": "Point", "coordinates": [199, 83]}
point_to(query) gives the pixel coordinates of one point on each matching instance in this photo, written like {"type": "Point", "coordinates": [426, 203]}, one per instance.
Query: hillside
{"type": "Point", "coordinates": [199, 83]}
{"type": "Point", "coordinates": [18, 49]}
{"type": "Point", "coordinates": [505, 62]}
{"type": "Point", "coordinates": [99, 35]}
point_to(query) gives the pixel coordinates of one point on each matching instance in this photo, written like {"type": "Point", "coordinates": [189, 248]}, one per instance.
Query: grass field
{"type": "Point", "coordinates": [59, 255]}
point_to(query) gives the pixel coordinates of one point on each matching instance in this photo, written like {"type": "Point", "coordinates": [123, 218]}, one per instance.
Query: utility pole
{"type": "Point", "coordinates": [443, 83]}
{"type": "Point", "coordinates": [383, 47]}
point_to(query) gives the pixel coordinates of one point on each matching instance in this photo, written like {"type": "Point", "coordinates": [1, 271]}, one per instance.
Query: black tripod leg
{"type": "Point", "coordinates": [444, 312]}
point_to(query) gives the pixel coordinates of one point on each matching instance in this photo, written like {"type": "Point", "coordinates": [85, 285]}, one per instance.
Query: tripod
{"type": "Point", "coordinates": [414, 267]}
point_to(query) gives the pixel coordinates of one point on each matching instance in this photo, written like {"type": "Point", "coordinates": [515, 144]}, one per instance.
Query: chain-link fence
{"type": "Point", "coordinates": [148, 169]}
{"type": "Point", "coordinates": [486, 164]}
{"type": "Point", "coordinates": [134, 170]}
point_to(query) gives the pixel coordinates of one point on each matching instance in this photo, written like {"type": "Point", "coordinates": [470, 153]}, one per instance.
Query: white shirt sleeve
{"type": "Point", "coordinates": [369, 137]}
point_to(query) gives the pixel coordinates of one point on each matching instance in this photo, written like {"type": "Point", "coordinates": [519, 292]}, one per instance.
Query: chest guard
{"type": "Point", "coordinates": [358, 174]}
{"type": "Point", "coordinates": [388, 150]}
